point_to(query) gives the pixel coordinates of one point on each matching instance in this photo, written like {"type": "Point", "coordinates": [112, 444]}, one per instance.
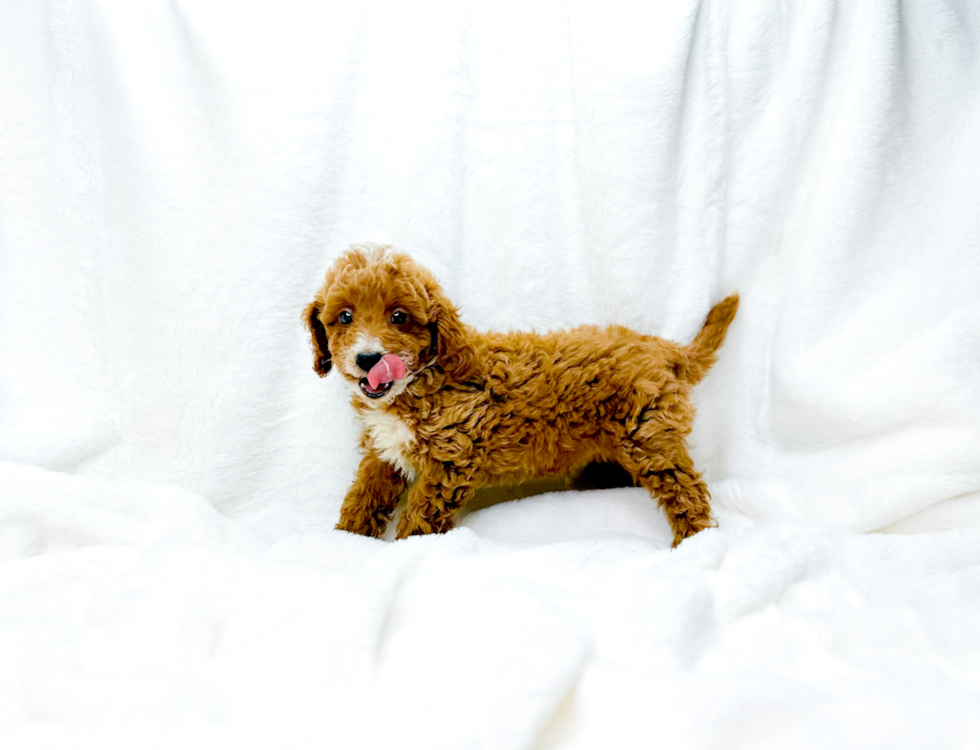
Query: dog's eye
{"type": "Point", "coordinates": [399, 317]}
{"type": "Point", "coordinates": [346, 317]}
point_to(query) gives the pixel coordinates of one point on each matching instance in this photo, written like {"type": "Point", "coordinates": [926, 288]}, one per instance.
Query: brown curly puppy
{"type": "Point", "coordinates": [452, 409]}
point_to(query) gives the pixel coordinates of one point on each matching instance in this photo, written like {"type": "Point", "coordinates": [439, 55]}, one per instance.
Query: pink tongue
{"type": "Point", "coordinates": [389, 368]}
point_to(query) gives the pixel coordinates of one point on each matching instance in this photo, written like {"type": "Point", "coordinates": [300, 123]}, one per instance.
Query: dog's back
{"type": "Point", "coordinates": [611, 358]}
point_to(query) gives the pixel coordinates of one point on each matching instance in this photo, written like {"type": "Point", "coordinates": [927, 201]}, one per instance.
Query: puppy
{"type": "Point", "coordinates": [451, 409]}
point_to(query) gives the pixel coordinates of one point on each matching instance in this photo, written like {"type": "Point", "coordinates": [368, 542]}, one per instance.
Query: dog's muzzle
{"type": "Point", "coordinates": [382, 372]}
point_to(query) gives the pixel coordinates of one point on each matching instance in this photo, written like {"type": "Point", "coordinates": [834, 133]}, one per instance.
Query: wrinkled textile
{"type": "Point", "coordinates": [175, 178]}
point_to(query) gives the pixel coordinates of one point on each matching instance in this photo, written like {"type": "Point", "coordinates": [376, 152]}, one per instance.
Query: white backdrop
{"type": "Point", "coordinates": [175, 177]}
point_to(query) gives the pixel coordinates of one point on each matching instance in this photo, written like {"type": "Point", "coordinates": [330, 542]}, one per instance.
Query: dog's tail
{"type": "Point", "coordinates": [701, 353]}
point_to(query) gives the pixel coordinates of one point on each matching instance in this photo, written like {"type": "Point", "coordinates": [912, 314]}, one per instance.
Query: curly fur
{"type": "Point", "coordinates": [477, 409]}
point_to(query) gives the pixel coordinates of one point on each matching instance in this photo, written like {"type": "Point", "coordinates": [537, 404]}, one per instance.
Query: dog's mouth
{"type": "Point", "coordinates": [378, 392]}
{"type": "Point", "coordinates": [382, 376]}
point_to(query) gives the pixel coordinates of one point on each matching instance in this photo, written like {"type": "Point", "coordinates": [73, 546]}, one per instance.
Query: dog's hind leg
{"type": "Point", "coordinates": [372, 498]}
{"type": "Point", "coordinates": [665, 470]}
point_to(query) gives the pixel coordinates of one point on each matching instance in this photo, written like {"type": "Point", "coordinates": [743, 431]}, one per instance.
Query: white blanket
{"type": "Point", "coordinates": [175, 177]}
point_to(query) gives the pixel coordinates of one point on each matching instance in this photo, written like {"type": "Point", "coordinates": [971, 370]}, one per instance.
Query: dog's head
{"type": "Point", "coordinates": [382, 319]}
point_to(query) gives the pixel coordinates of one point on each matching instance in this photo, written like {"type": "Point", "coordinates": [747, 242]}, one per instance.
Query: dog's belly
{"type": "Point", "coordinates": [390, 438]}
{"type": "Point", "coordinates": [517, 450]}
{"type": "Point", "coordinates": [551, 460]}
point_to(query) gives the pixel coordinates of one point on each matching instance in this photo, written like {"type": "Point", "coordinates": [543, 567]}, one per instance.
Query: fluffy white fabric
{"type": "Point", "coordinates": [175, 177]}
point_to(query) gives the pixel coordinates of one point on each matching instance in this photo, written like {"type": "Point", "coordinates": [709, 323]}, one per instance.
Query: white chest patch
{"type": "Point", "coordinates": [390, 438]}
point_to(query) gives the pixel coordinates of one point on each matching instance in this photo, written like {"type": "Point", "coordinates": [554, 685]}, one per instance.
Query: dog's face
{"type": "Point", "coordinates": [380, 319]}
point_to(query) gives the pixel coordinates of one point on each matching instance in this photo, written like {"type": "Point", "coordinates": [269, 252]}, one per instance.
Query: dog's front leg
{"type": "Point", "coordinates": [433, 503]}
{"type": "Point", "coordinates": [372, 498]}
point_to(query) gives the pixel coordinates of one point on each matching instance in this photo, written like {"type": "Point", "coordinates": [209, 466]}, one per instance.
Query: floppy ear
{"type": "Point", "coordinates": [453, 351]}
{"type": "Point", "coordinates": [318, 334]}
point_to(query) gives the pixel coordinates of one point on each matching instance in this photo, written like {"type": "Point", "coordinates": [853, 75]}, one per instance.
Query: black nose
{"type": "Point", "coordinates": [367, 361]}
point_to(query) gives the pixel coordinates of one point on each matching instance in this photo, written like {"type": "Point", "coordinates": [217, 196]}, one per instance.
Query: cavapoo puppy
{"type": "Point", "coordinates": [451, 409]}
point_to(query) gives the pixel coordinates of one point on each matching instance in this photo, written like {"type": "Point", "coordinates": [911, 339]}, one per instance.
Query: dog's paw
{"type": "Point", "coordinates": [684, 526]}
{"type": "Point", "coordinates": [417, 524]}
{"type": "Point", "coordinates": [364, 524]}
